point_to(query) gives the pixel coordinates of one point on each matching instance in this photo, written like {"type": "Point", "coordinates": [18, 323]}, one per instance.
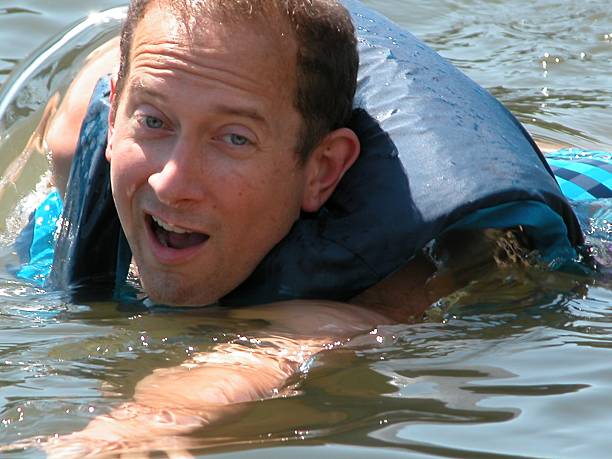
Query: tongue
{"type": "Point", "coordinates": [183, 241]}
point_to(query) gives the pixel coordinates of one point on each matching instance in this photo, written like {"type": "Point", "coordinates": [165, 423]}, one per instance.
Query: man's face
{"type": "Point", "coordinates": [204, 172]}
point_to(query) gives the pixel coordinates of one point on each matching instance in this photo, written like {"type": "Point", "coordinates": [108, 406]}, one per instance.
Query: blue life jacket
{"type": "Point", "coordinates": [439, 153]}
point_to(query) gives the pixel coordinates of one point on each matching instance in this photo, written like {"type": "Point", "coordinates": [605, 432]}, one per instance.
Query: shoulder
{"type": "Point", "coordinates": [64, 127]}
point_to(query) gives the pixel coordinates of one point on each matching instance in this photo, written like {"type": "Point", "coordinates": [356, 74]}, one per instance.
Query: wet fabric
{"type": "Point", "coordinates": [92, 255]}
{"type": "Point", "coordinates": [38, 240]}
{"type": "Point", "coordinates": [582, 174]}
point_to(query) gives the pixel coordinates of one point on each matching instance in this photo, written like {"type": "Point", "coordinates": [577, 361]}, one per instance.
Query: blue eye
{"type": "Point", "coordinates": [153, 123]}
{"type": "Point", "coordinates": [236, 139]}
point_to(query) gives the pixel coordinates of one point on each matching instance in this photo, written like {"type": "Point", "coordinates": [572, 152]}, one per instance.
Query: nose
{"type": "Point", "coordinates": [179, 179]}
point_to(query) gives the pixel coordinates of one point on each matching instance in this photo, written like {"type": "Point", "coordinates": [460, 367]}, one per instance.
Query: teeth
{"type": "Point", "coordinates": [168, 226]}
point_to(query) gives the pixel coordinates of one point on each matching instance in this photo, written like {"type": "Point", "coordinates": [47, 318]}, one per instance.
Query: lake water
{"type": "Point", "coordinates": [515, 365]}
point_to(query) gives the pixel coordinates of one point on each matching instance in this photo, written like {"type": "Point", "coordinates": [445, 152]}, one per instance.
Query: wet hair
{"type": "Point", "coordinates": [327, 58]}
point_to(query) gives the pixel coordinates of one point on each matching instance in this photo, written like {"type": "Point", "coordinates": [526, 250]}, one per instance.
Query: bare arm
{"type": "Point", "coordinates": [64, 127]}
{"type": "Point", "coordinates": [210, 386]}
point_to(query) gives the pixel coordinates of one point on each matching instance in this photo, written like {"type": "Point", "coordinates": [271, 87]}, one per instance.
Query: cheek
{"type": "Point", "coordinates": [128, 170]}
{"type": "Point", "coordinates": [278, 199]}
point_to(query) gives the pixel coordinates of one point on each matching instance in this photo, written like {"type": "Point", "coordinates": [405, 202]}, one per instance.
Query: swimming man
{"type": "Point", "coordinates": [227, 121]}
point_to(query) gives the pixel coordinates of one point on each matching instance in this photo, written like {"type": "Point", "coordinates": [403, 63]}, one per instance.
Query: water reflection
{"type": "Point", "coordinates": [517, 363]}
{"type": "Point", "coordinates": [501, 357]}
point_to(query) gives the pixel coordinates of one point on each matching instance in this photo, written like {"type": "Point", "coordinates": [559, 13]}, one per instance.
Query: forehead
{"type": "Point", "coordinates": [262, 45]}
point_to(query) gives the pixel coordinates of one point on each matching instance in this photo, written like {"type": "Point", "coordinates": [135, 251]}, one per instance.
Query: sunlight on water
{"type": "Point", "coordinates": [514, 364]}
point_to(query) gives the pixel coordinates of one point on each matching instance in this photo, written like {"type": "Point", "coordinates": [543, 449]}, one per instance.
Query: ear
{"type": "Point", "coordinates": [326, 166]}
{"type": "Point", "coordinates": [111, 117]}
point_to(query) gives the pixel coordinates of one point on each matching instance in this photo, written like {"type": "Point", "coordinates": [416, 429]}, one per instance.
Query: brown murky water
{"type": "Point", "coordinates": [515, 365]}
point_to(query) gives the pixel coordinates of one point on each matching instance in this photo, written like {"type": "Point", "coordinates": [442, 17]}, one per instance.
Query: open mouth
{"type": "Point", "coordinates": [174, 237]}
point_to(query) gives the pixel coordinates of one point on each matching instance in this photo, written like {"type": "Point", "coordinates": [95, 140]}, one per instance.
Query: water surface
{"type": "Point", "coordinates": [515, 365]}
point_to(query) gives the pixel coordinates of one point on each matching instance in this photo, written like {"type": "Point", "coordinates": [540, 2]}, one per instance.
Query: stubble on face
{"type": "Point", "coordinates": [245, 203]}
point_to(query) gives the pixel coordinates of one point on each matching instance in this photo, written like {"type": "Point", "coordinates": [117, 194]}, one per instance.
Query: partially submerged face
{"type": "Point", "coordinates": [204, 171]}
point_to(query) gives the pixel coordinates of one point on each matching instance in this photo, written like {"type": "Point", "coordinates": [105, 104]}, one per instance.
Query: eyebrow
{"type": "Point", "coordinates": [242, 112]}
{"type": "Point", "coordinates": [138, 88]}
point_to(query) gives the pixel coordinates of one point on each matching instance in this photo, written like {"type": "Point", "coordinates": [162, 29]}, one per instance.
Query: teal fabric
{"type": "Point", "coordinates": [583, 175]}
{"type": "Point", "coordinates": [573, 191]}
{"type": "Point", "coordinates": [598, 174]}
{"type": "Point", "coordinates": [45, 220]}
{"type": "Point", "coordinates": [541, 224]}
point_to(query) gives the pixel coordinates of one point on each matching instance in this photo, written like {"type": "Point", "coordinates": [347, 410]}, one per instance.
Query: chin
{"type": "Point", "coordinates": [170, 293]}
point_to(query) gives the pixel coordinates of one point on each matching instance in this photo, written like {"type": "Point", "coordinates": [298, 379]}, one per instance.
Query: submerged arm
{"type": "Point", "coordinates": [210, 386]}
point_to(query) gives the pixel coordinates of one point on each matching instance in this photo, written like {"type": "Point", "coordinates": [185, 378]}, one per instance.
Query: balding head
{"type": "Point", "coordinates": [323, 38]}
